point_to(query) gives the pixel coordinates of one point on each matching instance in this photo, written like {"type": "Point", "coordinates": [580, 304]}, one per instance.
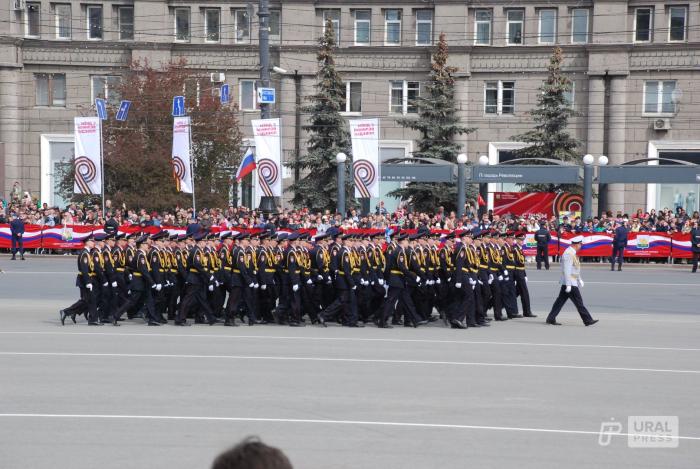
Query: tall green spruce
{"type": "Point", "coordinates": [549, 138]}
{"type": "Point", "coordinates": [328, 135]}
{"type": "Point", "coordinates": [438, 124]}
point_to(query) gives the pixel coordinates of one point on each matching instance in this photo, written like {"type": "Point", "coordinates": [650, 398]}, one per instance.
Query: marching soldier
{"type": "Point", "coordinates": [510, 301]}
{"type": "Point", "coordinates": [198, 282]}
{"type": "Point", "coordinates": [520, 276]}
{"type": "Point", "coordinates": [695, 244]}
{"type": "Point", "coordinates": [85, 281]}
{"type": "Point", "coordinates": [266, 273]}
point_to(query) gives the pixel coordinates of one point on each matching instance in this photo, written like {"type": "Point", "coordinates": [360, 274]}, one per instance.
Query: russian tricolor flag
{"type": "Point", "coordinates": [247, 165]}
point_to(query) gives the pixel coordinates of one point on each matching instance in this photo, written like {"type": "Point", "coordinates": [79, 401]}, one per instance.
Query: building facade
{"type": "Point", "coordinates": [635, 66]}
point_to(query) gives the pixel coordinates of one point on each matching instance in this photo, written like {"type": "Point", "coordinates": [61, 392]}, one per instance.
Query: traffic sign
{"type": "Point", "coordinates": [178, 106]}
{"type": "Point", "coordinates": [101, 108]}
{"type": "Point", "coordinates": [123, 110]}
{"type": "Point", "coordinates": [224, 94]}
{"type": "Point", "coordinates": [266, 95]}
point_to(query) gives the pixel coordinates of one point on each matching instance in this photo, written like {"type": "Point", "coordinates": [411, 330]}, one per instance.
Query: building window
{"type": "Point", "coordinates": [392, 27]}
{"type": "Point", "coordinates": [94, 19]}
{"type": "Point", "coordinates": [334, 17]}
{"type": "Point", "coordinates": [212, 24]}
{"type": "Point", "coordinates": [242, 26]}
{"type": "Point", "coordinates": [33, 20]}
{"type": "Point", "coordinates": [353, 97]}
{"type": "Point", "coordinates": [658, 97]}
{"type": "Point", "coordinates": [403, 96]}
{"type": "Point", "coordinates": [50, 89]}
{"type": "Point", "coordinates": [548, 26]}
{"type": "Point", "coordinates": [424, 27]}
{"type": "Point", "coordinates": [570, 95]}
{"type": "Point", "coordinates": [363, 26]}
{"type": "Point", "coordinates": [106, 87]}
{"type": "Point", "coordinates": [676, 23]}
{"type": "Point", "coordinates": [246, 89]}
{"type": "Point", "coordinates": [579, 26]}
{"type": "Point", "coordinates": [126, 23]}
{"type": "Point", "coordinates": [642, 24]}
{"type": "Point", "coordinates": [514, 29]}
{"type": "Point", "coordinates": [182, 24]}
{"type": "Point", "coordinates": [499, 97]}
{"type": "Point", "coordinates": [482, 27]}
{"type": "Point", "coordinates": [275, 26]}
{"type": "Point", "coordinates": [62, 13]}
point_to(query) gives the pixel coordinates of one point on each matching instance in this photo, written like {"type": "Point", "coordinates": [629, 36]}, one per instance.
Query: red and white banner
{"type": "Point", "coordinates": [535, 203]}
{"type": "Point", "coordinates": [364, 134]}
{"type": "Point", "coordinates": [182, 168]}
{"type": "Point", "coordinates": [88, 155]}
{"type": "Point", "coordinates": [268, 156]}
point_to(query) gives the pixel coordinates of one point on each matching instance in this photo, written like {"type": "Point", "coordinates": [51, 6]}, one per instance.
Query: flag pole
{"type": "Point", "coordinates": [189, 133]}
{"type": "Point", "coordinates": [102, 173]}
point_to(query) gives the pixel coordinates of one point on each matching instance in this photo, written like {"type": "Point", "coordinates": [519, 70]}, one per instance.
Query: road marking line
{"type": "Point", "coordinates": [359, 339]}
{"type": "Point", "coordinates": [330, 422]}
{"type": "Point", "coordinates": [625, 283]}
{"type": "Point", "coordinates": [344, 360]}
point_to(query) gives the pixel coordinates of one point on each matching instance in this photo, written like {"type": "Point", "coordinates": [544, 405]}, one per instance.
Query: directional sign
{"type": "Point", "coordinates": [419, 172]}
{"type": "Point", "coordinates": [101, 108]}
{"type": "Point", "coordinates": [266, 95]}
{"type": "Point", "coordinates": [526, 174]}
{"type": "Point", "coordinates": [123, 110]}
{"type": "Point", "coordinates": [178, 106]}
{"type": "Point", "coordinates": [660, 174]}
{"type": "Point", "coordinates": [224, 94]}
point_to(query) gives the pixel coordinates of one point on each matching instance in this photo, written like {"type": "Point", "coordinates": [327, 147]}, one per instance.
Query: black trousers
{"type": "Point", "coordinates": [479, 303]}
{"type": "Point", "coordinates": [696, 256]}
{"type": "Point", "coordinates": [17, 245]}
{"type": "Point", "coordinates": [139, 298]}
{"type": "Point", "coordinates": [195, 295]}
{"type": "Point", "coordinates": [496, 300]}
{"type": "Point", "coordinates": [522, 291]}
{"type": "Point", "coordinates": [617, 254]}
{"type": "Point", "coordinates": [87, 304]}
{"type": "Point", "coordinates": [575, 296]}
{"type": "Point", "coordinates": [508, 295]}
{"type": "Point", "coordinates": [266, 302]}
{"type": "Point", "coordinates": [542, 256]}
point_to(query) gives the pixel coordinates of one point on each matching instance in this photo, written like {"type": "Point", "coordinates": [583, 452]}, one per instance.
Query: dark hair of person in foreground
{"type": "Point", "coordinates": [252, 453]}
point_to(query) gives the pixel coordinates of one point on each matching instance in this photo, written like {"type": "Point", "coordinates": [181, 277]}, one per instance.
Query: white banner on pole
{"type": "Point", "coordinates": [365, 156]}
{"type": "Point", "coordinates": [182, 167]}
{"type": "Point", "coordinates": [268, 156]}
{"type": "Point", "coordinates": [88, 156]}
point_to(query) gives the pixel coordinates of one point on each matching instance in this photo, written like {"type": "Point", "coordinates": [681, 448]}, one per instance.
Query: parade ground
{"type": "Point", "coordinates": [516, 394]}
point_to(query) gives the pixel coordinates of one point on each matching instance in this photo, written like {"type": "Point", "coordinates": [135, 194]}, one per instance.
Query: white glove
{"type": "Point", "coordinates": [500, 277]}
{"type": "Point", "coordinates": [252, 285]}
{"type": "Point", "coordinates": [295, 288]}
{"type": "Point", "coordinates": [106, 284]}
{"type": "Point", "coordinates": [437, 281]}
{"type": "Point", "coordinates": [480, 282]}
{"type": "Point", "coordinates": [458, 285]}
{"type": "Point", "coordinates": [320, 277]}
{"type": "Point", "coordinates": [474, 287]}
{"type": "Point", "coordinates": [380, 281]}
{"type": "Point", "coordinates": [417, 279]}
{"type": "Point", "coordinates": [328, 282]}
{"type": "Point", "coordinates": [263, 287]}
{"type": "Point", "coordinates": [490, 279]}
{"type": "Point", "coordinates": [89, 286]}
{"type": "Point", "coordinates": [354, 287]}
{"type": "Point", "coordinates": [211, 279]}
{"type": "Point", "coordinates": [372, 283]}
{"type": "Point", "coordinates": [472, 282]}
{"type": "Point", "coordinates": [114, 284]}
{"type": "Point", "coordinates": [525, 279]}
{"type": "Point", "coordinates": [580, 283]}
{"type": "Point", "coordinates": [449, 279]}
{"type": "Point", "coordinates": [309, 282]}
{"type": "Point", "coordinates": [159, 287]}
{"type": "Point", "coordinates": [154, 286]}
{"type": "Point", "coordinates": [568, 289]}
{"type": "Point", "coordinates": [128, 292]}
{"type": "Point", "coordinates": [257, 285]}
{"type": "Point", "coordinates": [131, 277]}
{"type": "Point", "coordinates": [505, 271]}
{"type": "Point", "coordinates": [211, 287]}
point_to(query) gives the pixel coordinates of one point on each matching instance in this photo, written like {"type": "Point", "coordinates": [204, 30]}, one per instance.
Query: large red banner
{"type": "Point", "coordinates": [527, 203]}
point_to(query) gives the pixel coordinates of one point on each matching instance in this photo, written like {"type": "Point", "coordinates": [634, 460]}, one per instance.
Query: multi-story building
{"type": "Point", "coordinates": [635, 66]}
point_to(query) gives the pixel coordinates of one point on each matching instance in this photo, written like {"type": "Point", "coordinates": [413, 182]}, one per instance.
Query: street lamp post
{"type": "Point", "coordinates": [461, 184]}
{"type": "Point", "coordinates": [588, 161]}
{"type": "Point", "coordinates": [483, 188]}
{"type": "Point", "coordinates": [340, 158]}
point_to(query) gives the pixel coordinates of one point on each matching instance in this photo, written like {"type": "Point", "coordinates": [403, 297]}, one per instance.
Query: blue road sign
{"type": "Point", "coordinates": [178, 106]}
{"type": "Point", "coordinates": [224, 94]}
{"type": "Point", "coordinates": [123, 110]}
{"type": "Point", "coordinates": [266, 95]}
{"type": "Point", "coordinates": [101, 108]}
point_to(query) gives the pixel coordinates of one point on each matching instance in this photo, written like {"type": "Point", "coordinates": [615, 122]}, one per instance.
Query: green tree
{"type": "Point", "coordinates": [550, 138]}
{"type": "Point", "coordinates": [438, 124]}
{"type": "Point", "coordinates": [328, 135]}
{"type": "Point", "coordinates": [137, 152]}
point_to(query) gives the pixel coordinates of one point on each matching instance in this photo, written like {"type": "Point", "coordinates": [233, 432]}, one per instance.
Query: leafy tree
{"type": "Point", "coordinates": [438, 124]}
{"type": "Point", "coordinates": [137, 152]}
{"type": "Point", "coordinates": [328, 135]}
{"type": "Point", "coordinates": [550, 138]}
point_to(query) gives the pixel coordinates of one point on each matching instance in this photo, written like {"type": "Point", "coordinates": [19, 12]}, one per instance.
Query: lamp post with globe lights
{"type": "Point", "coordinates": [340, 158]}
{"type": "Point", "coordinates": [461, 184]}
{"type": "Point", "coordinates": [588, 161]}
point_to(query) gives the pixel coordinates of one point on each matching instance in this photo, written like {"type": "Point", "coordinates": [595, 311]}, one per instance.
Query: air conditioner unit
{"type": "Point", "coordinates": [18, 4]}
{"type": "Point", "coordinates": [662, 124]}
{"type": "Point", "coordinates": [217, 77]}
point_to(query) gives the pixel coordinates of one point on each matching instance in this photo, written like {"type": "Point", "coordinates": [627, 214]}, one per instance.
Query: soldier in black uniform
{"type": "Point", "coordinates": [85, 281]}
{"type": "Point", "coordinates": [398, 300]}
{"type": "Point", "coordinates": [120, 271]}
{"type": "Point", "coordinates": [695, 244]}
{"type": "Point", "coordinates": [266, 274]}
{"type": "Point", "coordinates": [292, 281]}
{"type": "Point", "coordinates": [463, 284]}
{"type": "Point", "coordinates": [619, 244]}
{"type": "Point", "coordinates": [520, 276]}
{"type": "Point", "coordinates": [199, 281]}
{"type": "Point", "coordinates": [509, 294]}
{"type": "Point", "coordinates": [159, 272]}
{"type": "Point", "coordinates": [542, 237]}
{"type": "Point", "coordinates": [494, 267]}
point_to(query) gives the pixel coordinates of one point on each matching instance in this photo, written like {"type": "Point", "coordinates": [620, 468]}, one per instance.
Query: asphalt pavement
{"type": "Point", "coordinates": [517, 394]}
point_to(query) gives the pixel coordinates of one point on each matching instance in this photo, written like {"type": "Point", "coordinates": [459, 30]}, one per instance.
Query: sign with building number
{"type": "Point", "coordinates": [224, 94]}
{"type": "Point", "coordinates": [266, 95]}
